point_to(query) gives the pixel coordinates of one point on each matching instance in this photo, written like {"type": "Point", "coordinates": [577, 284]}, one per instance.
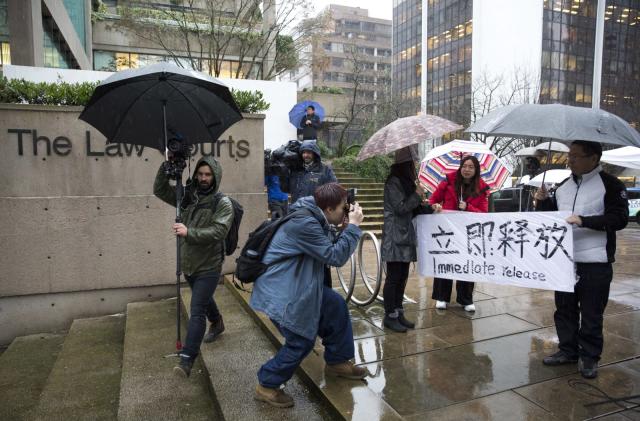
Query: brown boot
{"type": "Point", "coordinates": [347, 370]}
{"type": "Point", "coordinates": [215, 330]}
{"type": "Point", "coordinates": [274, 397]}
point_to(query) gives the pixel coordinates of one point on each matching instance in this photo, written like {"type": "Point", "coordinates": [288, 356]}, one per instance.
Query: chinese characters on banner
{"type": "Point", "coordinates": [532, 250]}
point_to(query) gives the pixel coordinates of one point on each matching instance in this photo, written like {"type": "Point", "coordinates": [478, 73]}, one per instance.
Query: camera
{"type": "Point", "coordinates": [351, 196]}
{"type": "Point", "coordinates": [284, 159]}
{"type": "Point", "coordinates": [180, 153]}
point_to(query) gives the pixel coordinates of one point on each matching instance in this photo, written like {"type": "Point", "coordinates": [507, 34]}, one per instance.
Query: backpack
{"type": "Point", "coordinates": [231, 240]}
{"type": "Point", "coordinates": [249, 264]}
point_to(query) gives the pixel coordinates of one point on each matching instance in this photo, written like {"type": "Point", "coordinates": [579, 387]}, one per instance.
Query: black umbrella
{"type": "Point", "coordinates": [151, 105]}
{"type": "Point", "coordinates": [133, 107]}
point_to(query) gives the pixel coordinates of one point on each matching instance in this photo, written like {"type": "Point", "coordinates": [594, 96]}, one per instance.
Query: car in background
{"type": "Point", "coordinates": [511, 199]}
{"type": "Point", "coordinates": [633, 194]}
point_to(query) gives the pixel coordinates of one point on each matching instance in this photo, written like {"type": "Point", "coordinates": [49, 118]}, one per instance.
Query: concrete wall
{"type": "Point", "coordinates": [83, 233]}
{"type": "Point", "coordinates": [280, 95]}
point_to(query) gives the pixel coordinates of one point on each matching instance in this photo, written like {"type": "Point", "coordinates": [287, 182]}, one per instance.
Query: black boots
{"type": "Point", "coordinates": [394, 324]}
{"type": "Point", "coordinates": [405, 322]}
{"type": "Point", "coordinates": [215, 330]}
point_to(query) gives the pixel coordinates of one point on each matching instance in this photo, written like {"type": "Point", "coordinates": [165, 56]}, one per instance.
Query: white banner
{"type": "Point", "coordinates": [532, 249]}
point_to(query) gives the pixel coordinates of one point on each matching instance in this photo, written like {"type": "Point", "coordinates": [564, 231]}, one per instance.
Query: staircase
{"type": "Point", "coordinates": [120, 367]}
{"type": "Point", "coordinates": [370, 196]}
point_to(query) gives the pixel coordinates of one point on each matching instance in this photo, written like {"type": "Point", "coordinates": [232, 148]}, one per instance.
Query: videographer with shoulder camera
{"type": "Point", "coordinates": [293, 295]}
{"type": "Point", "coordinates": [202, 249]}
{"type": "Point", "coordinates": [303, 182]}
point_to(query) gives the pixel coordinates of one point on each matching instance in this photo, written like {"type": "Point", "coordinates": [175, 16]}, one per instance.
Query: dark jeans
{"type": "Point", "coordinates": [203, 308]}
{"type": "Point", "coordinates": [579, 314]}
{"type": "Point", "coordinates": [278, 208]}
{"type": "Point", "coordinates": [394, 285]}
{"type": "Point", "coordinates": [442, 291]}
{"type": "Point", "coordinates": [337, 338]}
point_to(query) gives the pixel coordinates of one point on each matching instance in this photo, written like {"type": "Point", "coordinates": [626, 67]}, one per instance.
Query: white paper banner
{"type": "Point", "coordinates": [532, 249]}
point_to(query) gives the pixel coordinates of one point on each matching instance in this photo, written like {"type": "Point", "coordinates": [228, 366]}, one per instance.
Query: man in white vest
{"type": "Point", "coordinates": [599, 207]}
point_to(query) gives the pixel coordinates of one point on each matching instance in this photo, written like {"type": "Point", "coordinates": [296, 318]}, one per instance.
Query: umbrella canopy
{"type": "Point", "coordinates": [550, 177]}
{"type": "Point", "coordinates": [557, 122]}
{"type": "Point", "coordinates": [300, 109]}
{"type": "Point", "coordinates": [132, 106]}
{"type": "Point", "coordinates": [628, 157]}
{"type": "Point", "coordinates": [405, 132]}
{"type": "Point", "coordinates": [553, 147]}
{"type": "Point", "coordinates": [444, 159]}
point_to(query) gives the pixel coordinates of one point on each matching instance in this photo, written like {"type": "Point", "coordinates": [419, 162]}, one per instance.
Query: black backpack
{"type": "Point", "coordinates": [231, 240]}
{"type": "Point", "coordinates": [249, 264]}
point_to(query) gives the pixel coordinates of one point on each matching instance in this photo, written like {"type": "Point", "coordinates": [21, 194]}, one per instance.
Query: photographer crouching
{"type": "Point", "coordinates": [202, 235]}
{"type": "Point", "coordinates": [293, 295]}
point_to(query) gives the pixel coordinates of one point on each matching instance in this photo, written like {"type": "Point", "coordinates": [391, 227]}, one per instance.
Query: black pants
{"type": "Point", "coordinates": [442, 291]}
{"type": "Point", "coordinates": [579, 314]}
{"type": "Point", "coordinates": [394, 285]}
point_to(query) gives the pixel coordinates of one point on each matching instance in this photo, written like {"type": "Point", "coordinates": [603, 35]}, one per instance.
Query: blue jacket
{"type": "Point", "coordinates": [290, 292]}
{"type": "Point", "coordinates": [273, 189]}
{"type": "Point", "coordinates": [303, 182]}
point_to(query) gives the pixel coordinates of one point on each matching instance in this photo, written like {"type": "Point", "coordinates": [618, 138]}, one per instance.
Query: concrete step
{"type": "Point", "coordinates": [149, 390]}
{"type": "Point", "coordinates": [85, 380]}
{"type": "Point", "coordinates": [24, 368]}
{"type": "Point", "coordinates": [368, 185]}
{"type": "Point", "coordinates": [233, 360]}
{"type": "Point", "coordinates": [339, 394]}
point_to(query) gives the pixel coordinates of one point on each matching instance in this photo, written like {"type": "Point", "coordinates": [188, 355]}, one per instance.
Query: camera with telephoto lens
{"type": "Point", "coordinates": [180, 151]}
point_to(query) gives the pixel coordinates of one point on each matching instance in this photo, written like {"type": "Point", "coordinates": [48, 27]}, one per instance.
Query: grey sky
{"type": "Point", "coordinates": [377, 8]}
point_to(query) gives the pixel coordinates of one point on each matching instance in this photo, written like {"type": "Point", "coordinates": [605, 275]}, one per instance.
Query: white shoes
{"type": "Point", "coordinates": [470, 308]}
{"type": "Point", "coordinates": [441, 305]}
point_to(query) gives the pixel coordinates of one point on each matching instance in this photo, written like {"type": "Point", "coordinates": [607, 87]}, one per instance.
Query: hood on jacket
{"type": "Point", "coordinates": [482, 186]}
{"type": "Point", "coordinates": [311, 145]}
{"type": "Point", "coordinates": [215, 168]}
{"type": "Point", "coordinates": [309, 203]}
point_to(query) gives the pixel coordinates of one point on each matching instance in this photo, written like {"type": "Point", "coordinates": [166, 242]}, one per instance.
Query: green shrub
{"type": "Point", "coordinates": [376, 167]}
{"type": "Point", "coordinates": [61, 93]}
{"type": "Point", "coordinates": [326, 90]}
{"type": "Point", "coordinates": [250, 101]}
{"type": "Point", "coordinates": [16, 91]}
{"type": "Point", "coordinates": [325, 150]}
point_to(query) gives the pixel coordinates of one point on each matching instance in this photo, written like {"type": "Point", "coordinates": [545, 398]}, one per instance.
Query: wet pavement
{"type": "Point", "coordinates": [487, 365]}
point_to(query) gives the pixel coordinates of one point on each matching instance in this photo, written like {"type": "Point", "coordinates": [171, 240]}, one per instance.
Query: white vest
{"type": "Point", "coordinates": [585, 198]}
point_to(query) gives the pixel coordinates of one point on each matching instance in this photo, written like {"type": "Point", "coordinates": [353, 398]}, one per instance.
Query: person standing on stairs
{"type": "Point", "coordinates": [202, 253]}
{"type": "Point", "coordinates": [403, 199]}
{"type": "Point", "coordinates": [463, 190]}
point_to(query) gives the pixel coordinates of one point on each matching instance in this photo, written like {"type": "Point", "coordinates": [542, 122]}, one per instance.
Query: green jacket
{"type": "Point", "coordinates": [202, 250]}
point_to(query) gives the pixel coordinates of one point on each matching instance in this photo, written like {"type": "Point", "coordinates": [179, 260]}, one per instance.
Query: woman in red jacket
{"type": "Point", "coordinates": [463, 190]}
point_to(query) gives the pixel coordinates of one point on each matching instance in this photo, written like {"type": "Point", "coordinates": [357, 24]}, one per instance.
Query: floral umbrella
{"type": "Point", "coordinates": [405, 132]}
{"type": "Point", "coordinates": [444, 159]}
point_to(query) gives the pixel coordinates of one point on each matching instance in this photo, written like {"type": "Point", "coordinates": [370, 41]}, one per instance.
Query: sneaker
{"type": "Point", "coordinates": [470, 308]}
{"type": "Point", "coordinates": [404, 322]}
{"type": "Point", "coordinates": [441, 305]}
{"type": "Point", "coordinates": [588, 368]}
{"type": "Point", "coordinates": [183, 369]}
{"type": "Point", "coordinates": [215, 330]}
{"type": "Point", "coordinates": [394, 324]}
{"type": "Point", "coordinates": [347, 370]}
{"type": "Point", "coordinates": [559, 358]}
{"type": "Point", "coordinates": [274, 397]}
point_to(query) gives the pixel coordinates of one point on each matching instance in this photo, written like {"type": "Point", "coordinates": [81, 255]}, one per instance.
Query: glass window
{"type": "Point", "coordinates": [77, 14]}
{"type": "Point", "coordinates": [104, 61]}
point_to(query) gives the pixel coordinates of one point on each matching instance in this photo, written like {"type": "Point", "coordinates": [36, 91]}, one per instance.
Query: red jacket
{"type": "Point", "coordinates": [446, 195]}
